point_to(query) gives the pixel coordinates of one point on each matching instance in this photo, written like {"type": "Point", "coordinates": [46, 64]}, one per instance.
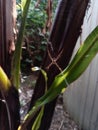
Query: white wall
{"type": "Point", "coordinates": [80, 99]}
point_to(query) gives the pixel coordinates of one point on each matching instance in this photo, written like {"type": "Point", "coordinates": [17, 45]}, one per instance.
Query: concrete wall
{"type": "Point", "coordinates": [81, 97]}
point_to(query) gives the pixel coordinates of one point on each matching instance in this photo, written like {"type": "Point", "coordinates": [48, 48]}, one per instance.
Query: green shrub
{"type": "Point", "coordinates": [34, 39]}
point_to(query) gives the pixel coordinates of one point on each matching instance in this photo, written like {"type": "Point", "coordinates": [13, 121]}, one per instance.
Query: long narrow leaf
{"type": "Point", "coordinates": [78, 65]}
{"type": "Point", "coordinates": [37, 122]}
{"type": "Point", "coordinates": [83, 57]}
{"type": "Point", "coordinates": [23, 3]}
{"type": "Point", "coordinates": [18, 50]}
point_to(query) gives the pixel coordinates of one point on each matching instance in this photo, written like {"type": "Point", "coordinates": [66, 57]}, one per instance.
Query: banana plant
{"type": "Point", "coordinates": [83, 57]}
{"type": "Point", "coordinates": [9, 97]}
{"type": "Point", "coordinates": [61, 43]}
{"type": "Point", "coordinates": [77, 66]}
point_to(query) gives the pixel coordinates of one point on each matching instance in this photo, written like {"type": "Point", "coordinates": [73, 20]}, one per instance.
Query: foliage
{"type": "Point", "coordinates": [34, 39]}
{"type": "Point", "coordinates": [77, 66]}
{"type": "Point", "coordinates": [80, 62]}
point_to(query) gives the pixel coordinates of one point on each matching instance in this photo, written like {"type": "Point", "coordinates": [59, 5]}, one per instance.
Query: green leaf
{"type": "Point", "coordinates": [17, 55]}
{"type": "Point", "coordinates": [37, 122]}
{"type": "Point", "coordinates": [83, 57]}
{"type": "Point", "coordinates": [23, 4]}
{"type": "Point", "coordinates": [80, 62]}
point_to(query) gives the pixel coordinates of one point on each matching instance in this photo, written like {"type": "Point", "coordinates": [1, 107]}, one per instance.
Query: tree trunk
{"type": "Point", "coordinates": [9, 103]}
{"type": "Point", "coordinates": [62, 40]}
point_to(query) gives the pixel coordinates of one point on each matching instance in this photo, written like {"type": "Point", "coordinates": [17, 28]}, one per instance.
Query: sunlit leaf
{"type": "Point", "coordinates": [23, 4]}
{"type": "Point", "coordinates": [78, 65]}
{"type": "Point", "coordinates": [43, 73]}
{"type": "Point", "coordinates": [5, 83]}
{"type": "Point", "coordinates": [83, 57]}
{"type": "Point", "coordinates": [36, 68]}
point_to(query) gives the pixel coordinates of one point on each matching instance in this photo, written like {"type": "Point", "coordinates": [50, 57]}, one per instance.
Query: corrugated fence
{"type": "Point", "coordinates": [81, 97]}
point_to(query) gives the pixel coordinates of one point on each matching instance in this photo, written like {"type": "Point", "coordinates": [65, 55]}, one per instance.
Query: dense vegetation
{"type": "Point", "coordinates": [37, 30]}
{"type": "Point", "coordinates": [56, 72]}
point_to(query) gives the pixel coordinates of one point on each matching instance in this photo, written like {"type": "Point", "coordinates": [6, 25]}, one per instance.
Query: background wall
{"type": "Point", "coordinates": [81, 97]}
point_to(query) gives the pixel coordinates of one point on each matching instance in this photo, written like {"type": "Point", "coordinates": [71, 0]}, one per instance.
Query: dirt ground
{"type": "Point", "coordinates": [61, 119]}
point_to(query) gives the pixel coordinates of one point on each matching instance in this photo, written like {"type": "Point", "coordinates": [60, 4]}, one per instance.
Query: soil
{"type": "Point", "coordinates": [61, 119]}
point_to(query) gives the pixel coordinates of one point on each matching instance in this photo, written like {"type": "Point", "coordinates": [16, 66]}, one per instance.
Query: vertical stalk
{"type": "Point", "coordinates": [17, 55]}
{"type": "Point", "coordinates": [62, 40]}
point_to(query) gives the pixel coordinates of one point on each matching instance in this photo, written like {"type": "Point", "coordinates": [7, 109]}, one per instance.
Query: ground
{"type": "Point", "coordinates": [61, 119]}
